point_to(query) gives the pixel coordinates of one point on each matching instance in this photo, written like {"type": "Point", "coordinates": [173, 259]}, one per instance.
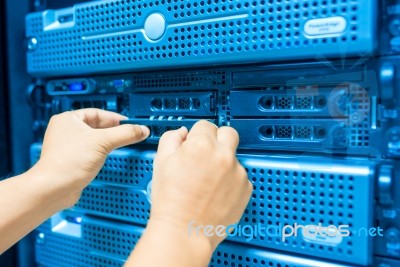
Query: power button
{"type": "Point", "coordinates": [154, 26]}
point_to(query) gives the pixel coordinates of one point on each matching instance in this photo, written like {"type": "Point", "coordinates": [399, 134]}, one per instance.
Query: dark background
{"type": "Point", "coordinates": [16, 134]}
{"type": "Point", "coordinates": [15, 113]}
{"type": "Point", "coordinates": [8, 258]}
{"type": "Point", "coordinates": [4, 152]}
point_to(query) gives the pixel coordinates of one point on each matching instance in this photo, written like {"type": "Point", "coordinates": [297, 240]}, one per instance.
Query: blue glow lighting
{"type": "Point", "coordinates": [76, 87]}
{"type": "Point", "coordinates": [119, 83]}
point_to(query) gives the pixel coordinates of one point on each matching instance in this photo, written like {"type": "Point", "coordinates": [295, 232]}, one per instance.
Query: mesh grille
{"type": "Point", "coordinates": [66, 253]}
{"type": "Point", "coordinates": [300, 133]}
{"type": "Point", "coordinates": [359, 117]}
{"type": "Point", "coordinates": [184, 104]}
{"type": "Point", "coordinates": [116, 241]}
{"type": "Point", "coordinates": [63, 251]}
{"type": "Point", "coordinates": [175, 103]}
{"type": "Point", "coordinates": [303, 132]}
{"type": "Point", "coordinates": [290, 102]}
{"type": "Point", "coordinates": [303, 102]}
{"type": "Point", "coordinates": [123, 167]}
{"type": "Point", "coordinates": [228, 256]}
{"type": "Point", "coordinates": [294, 192]}
{"type": "Point", "coordinates": [111, 239]}
{"type": "Point", "coordinates": [115, 203]}
{"type": "Point", "coordinates": [284, 132]}
{"type": "Point", "coordinates": [180, 80]}
{"type": "Point", "coordinates": [286, 191]}
{"type": "Point", "coordinates": [284, 102]}
{"type": "Point", "coordinates": [106, 36]}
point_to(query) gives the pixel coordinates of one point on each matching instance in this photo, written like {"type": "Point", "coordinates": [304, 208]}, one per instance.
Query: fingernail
{"type": "Point", "coordinates": [184, 129]}
{"type": "Point", "coordinates": [145, 130]}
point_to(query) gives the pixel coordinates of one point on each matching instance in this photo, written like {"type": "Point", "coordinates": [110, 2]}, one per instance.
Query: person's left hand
{"type": "Point", "coordinates": [76, 145]}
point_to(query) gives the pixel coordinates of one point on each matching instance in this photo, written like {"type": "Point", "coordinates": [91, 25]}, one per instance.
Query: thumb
{"type": "Point", "coordinates": [170, 142]}
{"type": "Point", "coordinates": [123, 135]}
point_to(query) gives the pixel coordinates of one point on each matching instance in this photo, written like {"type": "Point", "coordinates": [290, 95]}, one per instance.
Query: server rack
{"type": "Point", "coordinates": [280, 88]}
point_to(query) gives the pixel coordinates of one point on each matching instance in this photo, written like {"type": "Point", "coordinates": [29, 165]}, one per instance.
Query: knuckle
{"type": "Point", "coordinates": [229, 130]}
{"type": "Point", "coordinates": [249, 187]}
{"type": "Point", "coordinates": [202, 143]}
{"type": "Point", "coordinates": [243, 173]}
{"type": "Point", "coordinates": [56, 118]}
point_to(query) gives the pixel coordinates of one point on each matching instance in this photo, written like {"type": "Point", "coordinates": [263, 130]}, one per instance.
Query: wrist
{"type": "Point", "coordinates": [53, 187]}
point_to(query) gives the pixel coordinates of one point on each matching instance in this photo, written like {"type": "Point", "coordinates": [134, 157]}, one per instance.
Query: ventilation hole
{"type": "Point", "coordinates": [320, 133]}
{"type": "Point", "coordinates": [284, 132]}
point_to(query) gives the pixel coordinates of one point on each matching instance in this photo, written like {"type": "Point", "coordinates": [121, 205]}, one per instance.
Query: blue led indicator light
{"type": "Point", "coordinates": [76, 87]}
{"type": "Point", "coordinates": [118, 83]}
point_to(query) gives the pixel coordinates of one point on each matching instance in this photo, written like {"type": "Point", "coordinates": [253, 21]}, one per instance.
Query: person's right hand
{"type": "Point", "coordinates": [198, 180]}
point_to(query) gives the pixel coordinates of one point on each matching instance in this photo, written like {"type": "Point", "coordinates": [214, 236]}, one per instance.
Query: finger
{"type": "Point", "coordinates": [203, 127]}
{"type": "Point", "coordinates": [123, 135]}
{"type": "Point", "coordinates": [98, 118]}
{"type": "Point", "coordinates": [228, 136]}
{"type": "Point", "coordinates": [170, 142]}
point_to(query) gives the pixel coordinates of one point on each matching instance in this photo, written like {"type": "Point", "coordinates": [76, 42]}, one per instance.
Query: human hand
{"type": "Point", "coordinates": [75, 147]}
{"type": "Point", "coordinates": [197, 180]}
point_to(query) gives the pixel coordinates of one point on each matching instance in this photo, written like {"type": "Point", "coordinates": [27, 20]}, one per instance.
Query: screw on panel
{"type": "Point", "coordinates": [39, 5]}
{"type": "Point", "coordinates": [40, 239]}
{"type": "Point", "coordinates": [32, 44]}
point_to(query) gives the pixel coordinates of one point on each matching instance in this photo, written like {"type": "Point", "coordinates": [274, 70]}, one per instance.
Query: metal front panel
{"type": "Point", "coordinates": [108, 244]}
{"type": "Point", "coordinates": [287, 190]}
{"type": "Point", "coordinates": [119, 35]}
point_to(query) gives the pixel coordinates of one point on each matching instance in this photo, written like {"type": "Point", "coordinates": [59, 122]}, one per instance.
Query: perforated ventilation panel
{"type": "Point", "coordinates": [176, 80]}
{"type": "Point", "coordinates": [120, 189]}
{"type": "Point", "coordinates": [135, 35]}
{"type": "Point", "coordinates": [53, 249]}
{"type": "Point", "coordinates": [231, 255]}
{"type": "Point", "coordinates": [309, 191]}
{"type": "Point", "coordinates": [287, 190]}
{"type": "Point", "coordinates": [129, 204]}
{"type": "Point", "coordinates": [346, 104]}
{"type": "Point", "coordinates": [108, 244]}
{"type": "Point", "coordinates": [359, 112]}
{"type": "Point", "coordinates": [127, 167]}
{"type": "Point", "coordinates": [114, 239]}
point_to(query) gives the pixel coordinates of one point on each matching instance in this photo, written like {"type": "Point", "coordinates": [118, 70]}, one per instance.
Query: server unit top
{"type": "Point", "coordinates": [106, 36]}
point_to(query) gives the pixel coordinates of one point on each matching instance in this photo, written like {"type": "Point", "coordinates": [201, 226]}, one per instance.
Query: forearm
{"type": "Point", "coordinates": [25, 202]}
{"type": "Point", "coordinates": [168, 245]}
